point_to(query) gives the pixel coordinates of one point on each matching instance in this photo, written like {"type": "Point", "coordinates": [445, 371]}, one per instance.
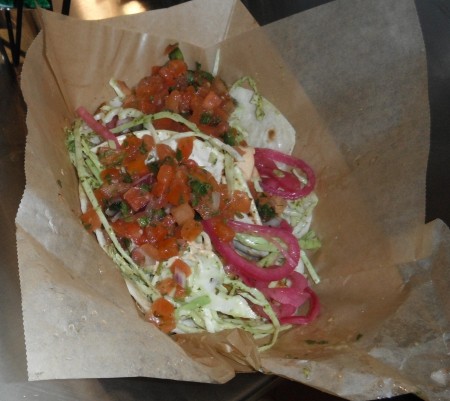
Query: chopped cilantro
{"type": "Point", "coordinates": [176, 54]}
{"type": "Point", "coordinates": [190, 76]}
{"type": "Point", "coordinates": [229, 138]}
{"type": "Point", "coordinates": [158, 214]}
{"type": "Point", "coordinates": [143, 221]}
{"type": "Point", "coordinates": [198, 189]}
{"type": "Point", "coordinates": [206, 75]}
{"type": "Point", "coordinates": [125, 209]}
{"type": "Point", "coordinates": [127, 178]}
{"type": "Point", "coordinates": [205, 118]}
{"type": "Point", "coordinates": [145, 187]}
{"type": "Point", "coordinates": [265, 210]}
{"type": "Point", "coordinates": [178, 154]}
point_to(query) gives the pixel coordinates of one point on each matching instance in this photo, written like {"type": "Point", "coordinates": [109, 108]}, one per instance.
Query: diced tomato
{"type": "Point", "coordinates": [238, 203]}
{"type": "Point", "coordinates": [197, 111]}
{"type": "Point", "coordinates": [168, 221]}
{"type": "Point", "coordinates": [181, 266]}
{"type": "Point", "coordinates": [224, 232]}
{"type": "Point", "coordinates": [203, 90]}
{"type": "Point", "coordinates": [172, 70]}
{"type": "Point", "coordinates": [178, 67]}
{"type": "Point", "coordinates": [155, 233]}
{"type": "Point", "coordinates": [135, 147]}
{"type": "Point", "coordinates": [149, 250]}
{"type": "Point", "coordinates": [110, 157]}
{"type": "Point", "coordinates": [170, 287]}
{"type": "Point", "coordinates": [222, 125]}
{"type": "Point", "coordinates": [90, 220]}
{"type": "Point", "coordinates": [163, 180]}
{"type": "Point", "coordinates": [109, 191]}
{"type": "Point", "coordinates": [203, 185]}
{"type": "Point", "coordinates": [168, 124]}
{"type": "Point", "coordinates": [179, 191]}
{"type": "Point", "coordinates": [182, 213]}
{"type": "Point", "coordinates": [148, 142]}
{"type": "Point", "coordinates": [100, 196]}
{"type": "Point", "coordinates": [166, 286]}
{"type": "Point", "coordinates": [204, 208]}
{"type": "Point", "coordinates": [166, 173]}
{"type": "Point", "coordinates": [242, 202]}
{"type": "Point", "coordinates": [146, 105]}
{"type": "Point", "coordinates": [130, 101]}
{"type": "Point", "coordinates": [219, 86]}
{"type": "Point", "coordinates": [215, 130]}
{"type": "Point", "coordinates": [111, 175]}
{"type": "Point", "coordinates": [128, 229]}
{"type": "Point", "coordinates": [137, 166]}
{"type": "Point", "coordinates": [173, 101]}
{"type": "Point", "coordinates": [168, 248]}
{"type": "Point", "coordinates": [164, 151]}
{"type": "Point", "coordinates": [162, 314]}
{"type": "Point", "coordinates": [150, 86]}
{"type": "Point", "coordinates": [205, 176]}
{"type": "Point", "coordinates": [211, 101]}
{"type": "Point", "coordinates": [185, 146]}
{"type": "Point", "coordinates": [185, 100]}
{"type": "Point", "coordinates": [190, 230]}
{"type": "Point", "coordinates": [137, 198]}
{"type": "Point", "coordinates": [228, 107]}
{"type": "Point", "coordinates": [131, 145]}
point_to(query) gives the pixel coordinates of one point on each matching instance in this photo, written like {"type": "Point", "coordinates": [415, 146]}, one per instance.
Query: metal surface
{"type": "Point", "coordinates": [435, 18]}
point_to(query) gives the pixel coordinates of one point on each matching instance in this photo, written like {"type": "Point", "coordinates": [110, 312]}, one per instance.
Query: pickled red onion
{"type": "Point", "coordinates": [293, 295]}
{"type": "Point", "coordinates": [285, 301]}
{"type": "Point", "coordinates": [314, 309]}
{"type": "Point", "coordinates": [247, 269]}
{"type": "Point", "coordinates": [96, 126]}
{"type": "Point", "coordinates": [286, 184]}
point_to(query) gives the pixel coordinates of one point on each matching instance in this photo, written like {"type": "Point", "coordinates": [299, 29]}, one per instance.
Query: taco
{"type": "Point", "coordinates": [190, 188]}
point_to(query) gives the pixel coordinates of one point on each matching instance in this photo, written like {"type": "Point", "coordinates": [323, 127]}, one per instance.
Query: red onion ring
{"type": "Point", "coordinates": [97, 127]}
{"type": "Point", "coordinates": [246, 269]}
{"type": "Point", "coordinates": [284, 186]}
{"type": "Point", "coordinates": [313, 312]}
{"type": "Point", "coordinates": [293, 295]}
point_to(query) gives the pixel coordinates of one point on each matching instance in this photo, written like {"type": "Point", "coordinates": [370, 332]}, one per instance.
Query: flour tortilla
{"type": "Point", "coordinates": [272, 131]}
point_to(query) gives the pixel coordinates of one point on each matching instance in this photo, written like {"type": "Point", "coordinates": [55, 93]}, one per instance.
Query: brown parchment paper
{"type": "Point", "coordinates": [351, 77]}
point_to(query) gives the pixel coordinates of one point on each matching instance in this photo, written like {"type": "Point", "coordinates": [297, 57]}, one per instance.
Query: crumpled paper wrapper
{"type": "Point", "coordinates": [351, 78]}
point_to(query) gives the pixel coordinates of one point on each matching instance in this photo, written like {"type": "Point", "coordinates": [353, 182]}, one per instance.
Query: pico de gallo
{"type": "Point", "coordinates": [209, 232]}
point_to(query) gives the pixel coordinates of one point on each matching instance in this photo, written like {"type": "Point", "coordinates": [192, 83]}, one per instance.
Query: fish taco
{"type": "Point", "coordinates": [190, 187]}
